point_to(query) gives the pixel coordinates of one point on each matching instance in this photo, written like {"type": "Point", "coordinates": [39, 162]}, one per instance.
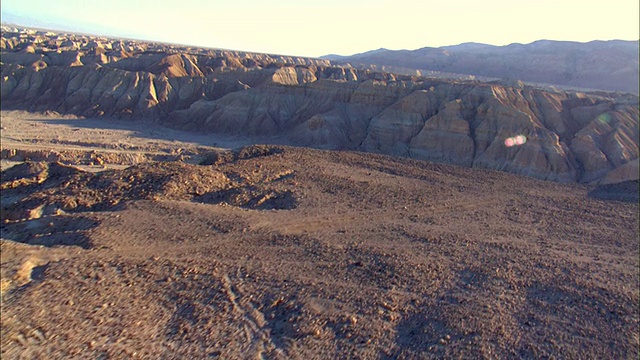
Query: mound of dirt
{"type": "Point", "coordinates": [244, 153]}
{"type": "Point", "coordinates": [51, 188]}
{"type": "Point", "coordinates": [251, 197]}
{"type": "Point", "coordinates": [34, 173]}
{"type": "Point", "coordinates": [217, 158]}
{"type": "Point", "coordinates": [83, 191]}
{"type": "Point", "coordinates": [253, 151]}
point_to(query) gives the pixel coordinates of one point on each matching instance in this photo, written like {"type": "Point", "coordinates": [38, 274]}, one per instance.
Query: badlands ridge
{"type": "Point", "coordinates": [570, 136]}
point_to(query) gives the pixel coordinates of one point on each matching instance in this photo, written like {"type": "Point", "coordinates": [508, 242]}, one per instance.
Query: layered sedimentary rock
{"type": "Point", "coordinates": [567, 136]}
{"type": "Point", "coordinates": [445, 136]}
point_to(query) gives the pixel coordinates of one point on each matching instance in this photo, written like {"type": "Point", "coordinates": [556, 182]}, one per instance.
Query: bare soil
{"type": "Point", "coordinates": [279, 252]}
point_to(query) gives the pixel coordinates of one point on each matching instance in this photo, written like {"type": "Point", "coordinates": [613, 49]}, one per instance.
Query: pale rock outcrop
{"type": "Point", "coordinates": [8, 43]}
{"type": "Point", "coordinates": [324, 130]}
{"type": "Point", "coordinates": [176, 65]}
{"type": "Point", "coordinates": [607, 142]}
{"type": "Point", "coordinates": [593, 160]}
{"type": "Point", "coordinates": [391, 131]}
{"type": "Point", "coordinates": [293, 76]}
{"type": "Point", "coordinates": [543, 156]}
{"type": "Point", "coordinates": [341, 74]}
{"type": "Point", "coordinates": [379, 92]}
{"type": "Point", "coordinates": [627, 172]}
{"type": "Point", "coordinates": [445, 137]}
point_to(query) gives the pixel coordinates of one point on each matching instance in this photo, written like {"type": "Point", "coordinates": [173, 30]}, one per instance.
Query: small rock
{"type": "Point", "coordinates": [21, 339]}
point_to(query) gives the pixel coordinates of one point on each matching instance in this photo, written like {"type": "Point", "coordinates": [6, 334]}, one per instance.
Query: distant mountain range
{"type": "Point", "coordinates": [60, 25]}
{"type": "Point", "coordinates": [602, 65]}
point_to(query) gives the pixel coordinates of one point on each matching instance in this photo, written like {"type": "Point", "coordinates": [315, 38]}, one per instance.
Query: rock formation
{"type": "Point", "coordinates": [567, 135]}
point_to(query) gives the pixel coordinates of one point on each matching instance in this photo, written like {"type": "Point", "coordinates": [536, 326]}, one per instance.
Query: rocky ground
{"type": "Point", "coordinates": [280, 252]}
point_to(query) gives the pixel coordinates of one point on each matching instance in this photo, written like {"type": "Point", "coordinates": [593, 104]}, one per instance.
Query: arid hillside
{"type": "Point", "coordinates": [566, 136]}
{"type": "Point", "coordinates": [294, 253]}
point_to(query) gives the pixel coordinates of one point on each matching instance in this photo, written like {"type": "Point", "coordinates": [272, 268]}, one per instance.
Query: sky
{"type": "Point", "coordinates": [345, 27]}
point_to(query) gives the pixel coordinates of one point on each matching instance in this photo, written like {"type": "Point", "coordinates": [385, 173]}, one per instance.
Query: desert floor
{"type": "Point", "coordinates": [279, 252]}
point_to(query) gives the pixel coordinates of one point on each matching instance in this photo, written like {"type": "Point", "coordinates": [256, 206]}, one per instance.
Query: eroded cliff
{"type": "Point", "coordinates": [566, 136]}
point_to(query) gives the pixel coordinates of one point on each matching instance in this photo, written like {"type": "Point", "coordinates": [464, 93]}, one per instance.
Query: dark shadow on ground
{"type": "Point", "coordinates": [51, 231]}
{"type": "Point", "coordinates": [147, 129]}
{"type": "Point", "coordinates": [626, 191]}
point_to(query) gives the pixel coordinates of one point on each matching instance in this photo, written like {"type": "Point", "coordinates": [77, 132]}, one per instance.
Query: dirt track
{"type": "Point", "coordinates": [295, 253]}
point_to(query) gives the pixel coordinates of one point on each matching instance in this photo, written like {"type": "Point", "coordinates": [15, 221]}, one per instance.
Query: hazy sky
{"type": "Point", "coordinates": [314, 28]}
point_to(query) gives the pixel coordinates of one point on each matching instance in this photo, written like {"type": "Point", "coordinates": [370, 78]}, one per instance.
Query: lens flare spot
{"type": "Point", "coordinates": [515, 141]}
{"type": "Point", "coordinates": [605, 118]}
